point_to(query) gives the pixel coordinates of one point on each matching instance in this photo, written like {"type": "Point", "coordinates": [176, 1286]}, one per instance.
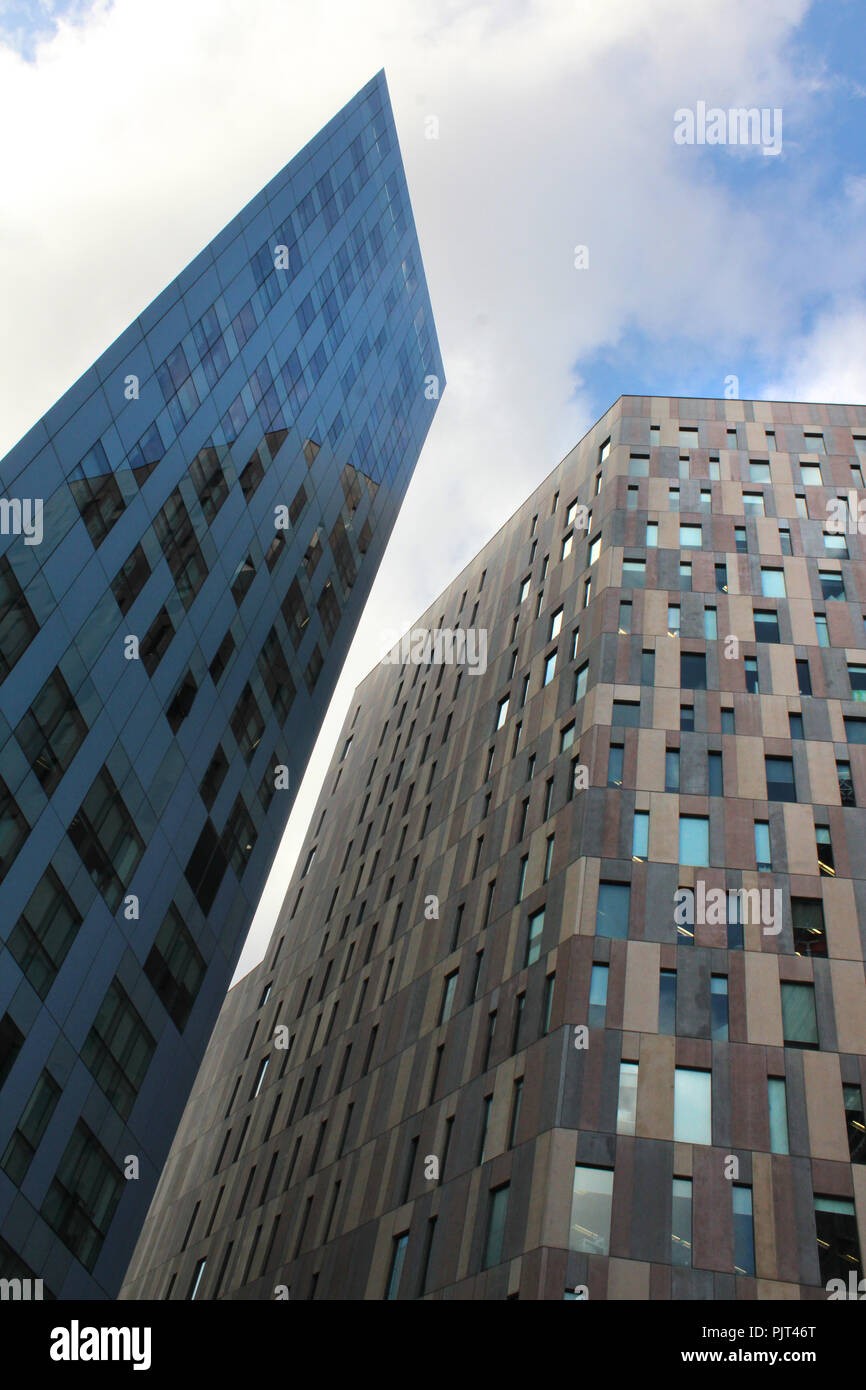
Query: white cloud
{"type": "Point", "coordinates": [141, 132]}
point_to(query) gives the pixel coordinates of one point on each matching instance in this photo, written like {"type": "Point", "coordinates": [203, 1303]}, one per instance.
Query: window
{"type": "Point", "coordinates": [594, 550]}
{"type": "Point", "coordinates": [127, 583]}
{"type": "Point", "coordinates": [766, 626]}
{"type": "Point", "coordinates": [780, 779]}
{"type": "Point", "coordinates": [98, 500]}
{"type": "Point", "coordinates": [174, 530]}
{"type": "Point", "coordinates": [753, 503]}
{"type": "Point", "coordinates": [685, 577]}
{"type": "Point", "coordinates": [580, 682]}
{"type": "Point", "coordinates": [567, 546]}
{"type": "Point", "coordinates": [515, 1112]}
{"type": "Point", "coordinates": [611, 917]}
{"type": "Point", "coordinates": [614, 764]}
{"type": "Point", "coordinates": [693, 671]}
{"type": "Point", "coordinates": [706, 500]}
{"type": "Point", "coordinates": [175, 968]}
{"type": "Point", "coordinates": [524, 589]}
{"type": "Point", "coordinates": [801, 507]}
{"type": "Point", "coordinates": [640, 836]}
{"type": "Point", "coordinates": [118, 1049]}
{"type": "Point", "coordinates": [555, 624]}
{"type": "Point", "coordinates": [694, 840]}
{"type": "Point", "coordinates": [715, 778]}
{"type": "Point", "coordinates": [785, 540]}
{"type": "Point", "coordinates": [627, 1102]}
{"type": "Point", "coordinates": [496, 1216]}
{"type": "Point", "coordinates": [688, 437]}
{"type": "Point", "coordinates": [33, 1123]}
{"type": "Point", "coordinates": [824, 850]}
{"type": "Point", "coordinates": [727, 721]}
{"type": "Point", "coordinates": [633, 574]}
{"type": "Point", "coordinates": [744, 1236]}
{"type": "Point", "coordinates": [448, 989]}
{"type": "Point", "coordinates": [209, 481]}
{"type": "Point", "coordinates": [795, 725]}
{"type": "Point", "coordinates": [107, 839]}
{"type": "Point", "coordinates": [624, 624]}
{"type": "Point", "coordinates": [549, 986]}
{"type": "Point", "coordinates": [813, 442]}
{"type": "Point", "coordinates": [591, 1201]}
{"type": "Point", "coordinates": [777, 1105]}
{"type": "Point", "coordinates": [626, 713]}
{"type": "Point", "coordinates": [638, 465]}
{"type": "Point", "coordinates": [631, 497]}
{"type": "Point", "coordinates": [652, 534]}
{"type": "Point", "coordinates": [681, 1222]}
{"type": "Point", "coordinates": [759, 472]}
{"type": "Point", "coordinates": [763, 854]}
{"type": "Point", "coordinates": [672, 770]}
{"type": "Point", "coordinates": [690, 537]}
{"type": "Point", "coordinates": [674, 499]}
{"type": "Point", "coordinates": [799, 1021]}
{"type": "Point", "coordinates": [647, 667]}
{"type": "Point", "coordinates": [398, 1256]}
{"type": "Point", "coordinates": [18, 626]}
{"type": "Point", "coordinates": [721, 578]}
{"type": "Point", "coordinates": [692, 1106]}
{"type": "Point", "coordinates": [673, 619]}
{"type": "Point", "coordinates": [719, 1008]}
{"type": "Point", "coordinates": [838, 1243]}
{"type": "Point", "coordinates": [44, 932]}
{"type": "Point", "coordinates": [772, 583]}
{"type": "Point", "coordinates": [810, 475]}
{"type": "Point", "coordinates": [533, 941]}
{"type": "Point", "coordinates": [832, 586]}
{"type": "Point", "coordinates": [750, 669]}
{"type": "Point", "coordinates": [668, 1002]}
{"type": "Point", "coordinates": [852, 1097]}
{"type": "Point", "coordinates": [836, 543]}
{"type": "Point", "coordinates": [549, 669]}
{"type": "Point", "coordinates": [571, 510]}
{"type": "Point", "coordinates": [501, 713]}
{"type": "Point", "coordinates": [821, 629]}
{"type": "Point", "coordinates": [807, 919]}
{"type": "Point", "coordinates": [247, 724]}
{"type": "Point", "coordinates": [597, 996]}
{"type": "Point", "coordinates": [83, 1196]}
{"type": "Point", "coordinates": [846, 786]}
{"type": "Point", "coordinates": [857, 677]}
{"type": "Point", "coordinates": [710, 627]}
{"type": "Point", "coordinates": [604, 451]}
{"type": "Point", "coordinates": [855, 729]}
{"type": "Point", "coordinates": [804, 679]}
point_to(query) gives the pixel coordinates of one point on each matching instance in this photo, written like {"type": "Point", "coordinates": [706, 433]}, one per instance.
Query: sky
{"type": "Point", "coordinates": [134, 130]}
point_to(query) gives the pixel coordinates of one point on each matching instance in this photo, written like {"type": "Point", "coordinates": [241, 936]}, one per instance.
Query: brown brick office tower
{"type": "Point", "coordinates": [704, 1136]}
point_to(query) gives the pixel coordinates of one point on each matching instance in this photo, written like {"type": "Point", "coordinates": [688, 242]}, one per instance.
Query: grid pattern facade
{"type": "Point", "coordinates": [488, 1054]}
{"type": "Point", "coordinates": [217, 493]}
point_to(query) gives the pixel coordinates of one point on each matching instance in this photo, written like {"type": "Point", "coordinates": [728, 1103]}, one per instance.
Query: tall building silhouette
{"type": "Point", "coordinates": [567, 996]}
{"type": "Point", "coordinates": [189, 537]}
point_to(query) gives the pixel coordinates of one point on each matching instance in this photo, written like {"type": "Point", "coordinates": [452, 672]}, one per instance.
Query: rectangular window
{"type": "Point", "coordinates": [175, 968]}
{"type": "Point", "coordinates": [43, 934]}
{"type": "Point", "coordinates": [673, 619]}
{"type": "Point", "coordinates": [626, 714]}
{"type": "Point", "coordinates": [780, 779]}
{"type": "Point", "coordinates": [763, 854]}
{"type": "Point", "coordinates": [753, 503]}
{"type": "Point", "coordinates": [176, 535]}
{"type": "Point", "coordinates": [693, 671]}
{"type": "Point", "coordinates": [710, 626]}
{"type": "Point", "coordinates": [647, 667]}
{"type": "Point", "coordinates": [597, 996]}
{"type": "Point", "coordinates": [721, 578]}
{"type": "Point", "coordinates": [799, 1020]}
{"type": "Point", "coordinates": [857, 677]}
{"type": "Point", "coordinates": [785, 540]}
{"type": "Point", "coordinates": [807, 920]}
{"type": "Point", "coordinates": [667, 1002]}
{"type": "Point", "coordinates": [33, 1123]}
{"type": "Point", "coordinates": [772, 583]}
{"type": "Point", "coordinates": [750, 670]}
{"type": "Point", "coordinates": [832, 586]}
{"type": "Point", "coordinates": [627, 1103]}
{"type": "Point", "coordinates": [555, 624]}
{"type": "Point", "coordinates": [855, 729]}
{"type": "Point", "coordinates": [719, 1008]}
{"type": "Point", "coordinates": [672, 770]}
{"type": "Point", "coordinates": [591, 1202]}
{"type": "Point", "coordinates": [398, 1256]}
{"type": "Point", "coordinates": [533, 941]}
{"type": "Point", "coordinates": [692, 1106]}
{"type": "Point", "coordinates": [681, 1222]}
{"type": "Point", "coordinates": [715, 776]}
{"type": "Point", "coordinates": [727, 721]}
{"type": "Point", "coordinates": [766, 625]}
{"type": "Point", "coordinates": [652, 534]}
{"type": "Point", "coordinates": [448, 990]}
{"type": "Point", "coordinates": [838, 1242]}
{"type": "Point", "coordinates": [497, 1213]}
{"type": "Point", "coordinates": [795, 725]}
{"type": "Point", "coordinates": [611, 918]}
{"type": "Point", "coordinates": [852, 1097]}
{"type": "Point", "coordinates": [614, 764]}
{"type": "Point", "coordinates": [624, 624]}
{"type": "Point", "coordinates": [640, 836]}
{"type": "Point", "coordinates": [778, 1109]}
{"type": "Point", "coordinates": [501, 713]}
{"type": "Point", "coordinates": [549, 669]}
{"type": "Point", "coordinates": [118, 1049]}
{"type": "Point", "coordinates": [691, 537]}
{"type": "Point", "coordinates": [99, 501]}
{"type": "Point", "coordinates": [846, 786]}
{"type": "Point", "coordinates": [804, 679]}
{"type": "Point", "coordinates": [744, 1237]}
{"type": "Point", "coordinates": [580, 681]}
{"type": "Point", "coordinates": [83, 1196]}
{"type": "Point", "coordinates": [107, 839]}
{"type": "Point", "coordinates": [633, 574]}
{"type": "Point", "coordinates": [594, 550]}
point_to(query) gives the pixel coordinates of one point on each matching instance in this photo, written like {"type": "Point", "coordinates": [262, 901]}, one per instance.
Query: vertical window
{"type": "Point", "coordinates": [694, 840]}
{"type": "Point", "coordinates": [715, 777]}
{"type": "Point", "coordinates": [799, 1020]}
{"type": "Point", "coordinates": [611, 918]}
{"type": "Point", "coordinates": [448, 989]}
{"type": "Point", "coordinates": [838, 1243]}
{"type": "Point", "coordinates": [640, 836]}
{"type": "Point", "coordinates": [598, 995]}
{"type": "Point", "coordinates": [627, 1102]}
{"type": "Point", "coordinates": [668, 1002]}
{"type": "Point", "coordinates": [591, 1201]}
{"type": "Point", "coordinates": [750, 667]}
{"type": "Point", "coordinates": [852, 1097]}
{"type": "Point", "coordinates": [533, 942]}
{"type": "Point", "coordinates": [652, 534]}
{"type": "Point", "coordinates": [673, 619]}
{"type": "Point", "coordinates": [744, 1237]}
{"type": "Point", "coordinates": [398, 1256]}
{"type": "Point", "coordinates": [647, 667]}
{"type": "Point", "coordinates": [681, 1222]}
{"type": "Point", "coordinates": [710, 625]}
{"type": "Point", "coordinates": [497, 1213]}
{"type": "Point", "coordinates": [692, 1106]}
{"type": "Point", "coordinates": [807, 918]}
{"type": "Point", "coordinates": [614, 764]}
{"type": "Point", "coordinates": [777, 1104]}
{"type": "Point", "coordinates": [763, 854]}
{"type": "Point", "coordinates": [672, 770]}
{"type": "Point", "coordinates": [719, 1008]}
{"type": "Point", "coordinates": [780, 779]}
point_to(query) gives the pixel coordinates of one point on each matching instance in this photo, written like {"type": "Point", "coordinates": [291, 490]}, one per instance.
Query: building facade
{"type": "Point", "coordinates": [567, 995]}
{"type": "Point", "coordinates": [189, 537]}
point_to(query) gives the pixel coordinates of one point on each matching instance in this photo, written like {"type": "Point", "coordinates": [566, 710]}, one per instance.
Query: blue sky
{"type": "Point", "coordinates": [556, 126]}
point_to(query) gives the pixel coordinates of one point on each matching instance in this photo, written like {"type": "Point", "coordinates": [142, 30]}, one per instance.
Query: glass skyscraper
{"type": "Point", "coordinates": [188, 539]}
